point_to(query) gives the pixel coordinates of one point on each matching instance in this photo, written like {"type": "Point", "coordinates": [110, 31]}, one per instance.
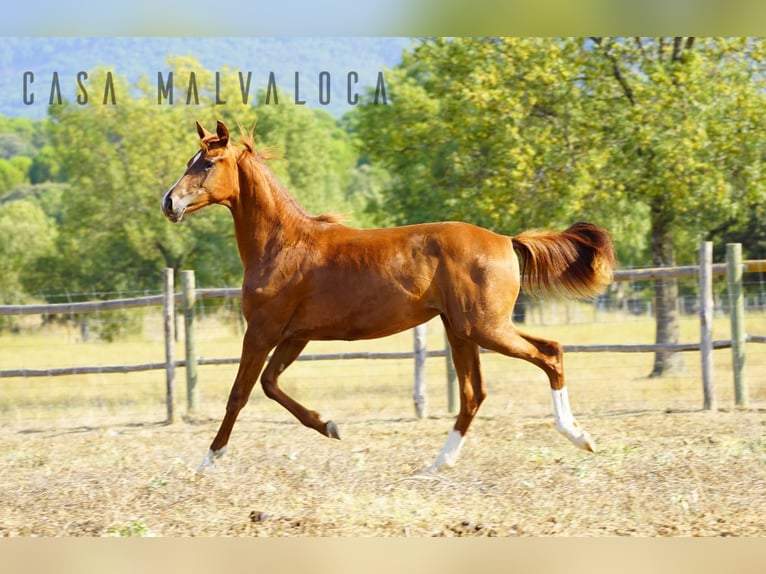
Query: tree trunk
{"type": "Point", "coordinates": [665, 297]}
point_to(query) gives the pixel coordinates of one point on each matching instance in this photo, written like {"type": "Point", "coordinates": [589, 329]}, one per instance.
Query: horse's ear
{"type": "Point", "coordinates": [201, 131]}
{"type": "Point", "coordinates": [223, 132]}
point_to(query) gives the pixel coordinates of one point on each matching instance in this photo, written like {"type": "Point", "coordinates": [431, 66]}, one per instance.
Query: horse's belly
{"type": "Point", "coordinates": [351, 323]}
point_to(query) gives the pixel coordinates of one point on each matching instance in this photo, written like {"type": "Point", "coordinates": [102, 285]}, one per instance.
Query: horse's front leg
{"type": "Point", "coordinates": [285, 353]}
{"type": "Point", "coordinates": [250, 365]}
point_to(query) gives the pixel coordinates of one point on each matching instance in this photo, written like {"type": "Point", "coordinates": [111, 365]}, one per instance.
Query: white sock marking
{"type": "Point", "coordinates": [208, 463]}
{"type": "Point", "coordinates": [449, 453]}
{"type": "Point", "coordinates": [565, 421]}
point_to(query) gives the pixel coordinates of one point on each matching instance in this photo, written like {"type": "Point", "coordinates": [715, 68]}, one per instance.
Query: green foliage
{"type": "Point", "coordinates": [639, 135]}
{"type": "Point", "coordinates": [21, 136]}
{"type": "Point", "coordinates": [12, 144]}
{"type": "Point", "coordinates": [680, 118]}
{"type": "Point", "coordinates": [131, 528]}
{"type": "Point", "coordinates": [46, 166]}
{"type": "Point", "coordinates": [12, 172]}
{"type": "Point", "coordinates": [26, 234]}
{"type": "Point", "coordinates": [105, 233]}
{"type": "Point", "coordinates": [479, 130]}
{"type": "Point", "coordinates": [28, 205]}
{"type": "Point", "coordinates": [365, 196]}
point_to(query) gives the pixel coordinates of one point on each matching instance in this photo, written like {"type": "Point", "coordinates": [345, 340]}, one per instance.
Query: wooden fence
{"type": "Point", "coordinates": [733, 268]}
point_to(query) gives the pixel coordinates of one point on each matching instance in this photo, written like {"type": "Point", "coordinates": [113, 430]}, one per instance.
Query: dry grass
{"type": "Point", "coordinates": [656, 474]}
{"type": "Point", "coordinates": [89, 456]}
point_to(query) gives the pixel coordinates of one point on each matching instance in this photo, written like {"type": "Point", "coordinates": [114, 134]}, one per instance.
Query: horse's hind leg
{"type": "Point", "coordinates": [549, 356]}
{"type": "Point", "coordinates": [285, 353]}
{"type": "Point", "coordinates": [465, 356]}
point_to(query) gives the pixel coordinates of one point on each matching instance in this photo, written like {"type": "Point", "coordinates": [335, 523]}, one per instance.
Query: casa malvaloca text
{"type": "Point", "coordinates": [184, 88]}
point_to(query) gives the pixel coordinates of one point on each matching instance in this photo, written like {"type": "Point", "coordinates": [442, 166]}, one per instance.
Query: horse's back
{"type": "Point", "coordinates": [427, 260]}
{"type": "Point", "coordinates": [452, 238]}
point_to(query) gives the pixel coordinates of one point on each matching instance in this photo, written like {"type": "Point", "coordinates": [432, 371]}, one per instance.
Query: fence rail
{"type": "Point", "coordinates": [83, 306]}
{"type": "Point", "coordinates": [436, 353]}
{"type": "Point", "coordinates": [73, 308]}
{"type": "Point", "coordinates": [681, 271]}
{"type": "Point", "coordinates": [188, 295]}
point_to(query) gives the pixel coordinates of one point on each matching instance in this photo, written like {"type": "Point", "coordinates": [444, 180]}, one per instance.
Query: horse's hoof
{"type": "Point", "coordinates": [576, 435]}
{"type": "Point", "coordinates": [432, 469]}
{"type": "Point", "coordinates": [441, 464]}
{"type": "Point", "coordinates": [208, 463]}
{"type": "Point", "coordinates": [583, 441]}
{"type": "Point", "coordinates": [332, 430]}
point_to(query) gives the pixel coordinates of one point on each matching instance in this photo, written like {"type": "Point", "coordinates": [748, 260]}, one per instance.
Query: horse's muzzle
{"type": "Point", "coordinates": [169, 211]}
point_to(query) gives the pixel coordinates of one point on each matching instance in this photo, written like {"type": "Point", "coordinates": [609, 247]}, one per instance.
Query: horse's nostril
{"type": "Point", "coordinates": [167, 204]}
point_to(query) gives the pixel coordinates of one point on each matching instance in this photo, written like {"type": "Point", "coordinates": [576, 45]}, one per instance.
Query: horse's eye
{"type": "Point", "coordinates": [207, 163]}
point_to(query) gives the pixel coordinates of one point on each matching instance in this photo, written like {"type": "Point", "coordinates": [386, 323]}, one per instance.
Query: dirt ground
{"type": "Point", "coordinates": [656, 473]}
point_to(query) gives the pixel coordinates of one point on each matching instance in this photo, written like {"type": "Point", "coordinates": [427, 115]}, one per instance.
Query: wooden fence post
{"type": "Point", "coordinates": [452, 398]}
{"type": "Point", "coordinates": [419, 395]}
{"type": "Point", "coordinates": [706, 323]}
{"type": "Point", "coordinates": [737, 314]}
{"type": "Point", "coordinates": [169, 304]}
{"type": "Point", "coordinates": [189, 299]}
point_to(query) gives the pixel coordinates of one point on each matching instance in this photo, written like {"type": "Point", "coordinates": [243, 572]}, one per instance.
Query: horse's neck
{"type": "Point", "coordinates": [266, 218]}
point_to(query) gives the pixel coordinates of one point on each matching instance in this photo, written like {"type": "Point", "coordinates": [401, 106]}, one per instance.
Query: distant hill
{"type": "Point", "coordinates": [147, 56]}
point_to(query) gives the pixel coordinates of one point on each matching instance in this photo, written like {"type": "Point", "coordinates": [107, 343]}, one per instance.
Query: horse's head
{"type": "Point", "coordinates": [210, 176]}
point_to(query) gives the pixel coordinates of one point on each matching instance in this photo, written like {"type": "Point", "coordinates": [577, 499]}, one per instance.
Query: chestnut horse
{"type": "Point", "coordinates": [311, 278]}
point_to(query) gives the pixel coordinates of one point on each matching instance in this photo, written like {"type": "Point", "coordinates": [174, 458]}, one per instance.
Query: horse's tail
{"type": "Point", "coordinates": [576, 263]}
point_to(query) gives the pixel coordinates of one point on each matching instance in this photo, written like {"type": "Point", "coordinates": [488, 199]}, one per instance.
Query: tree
{"type": "Point", "coordinates": [26, 234]}
{"type": "Point", "coordinates": [657, 140]}
{"type": "Point", "coordinates": [680, 118]}
{"type": "Point", "coordinates": [12, 172]}
{"type": "Point", "coordinates": [46, 166]}
{"type": "Point", "coordinates": [12, 145]}
{"type": "Point", "coordinates": [486, 130]}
